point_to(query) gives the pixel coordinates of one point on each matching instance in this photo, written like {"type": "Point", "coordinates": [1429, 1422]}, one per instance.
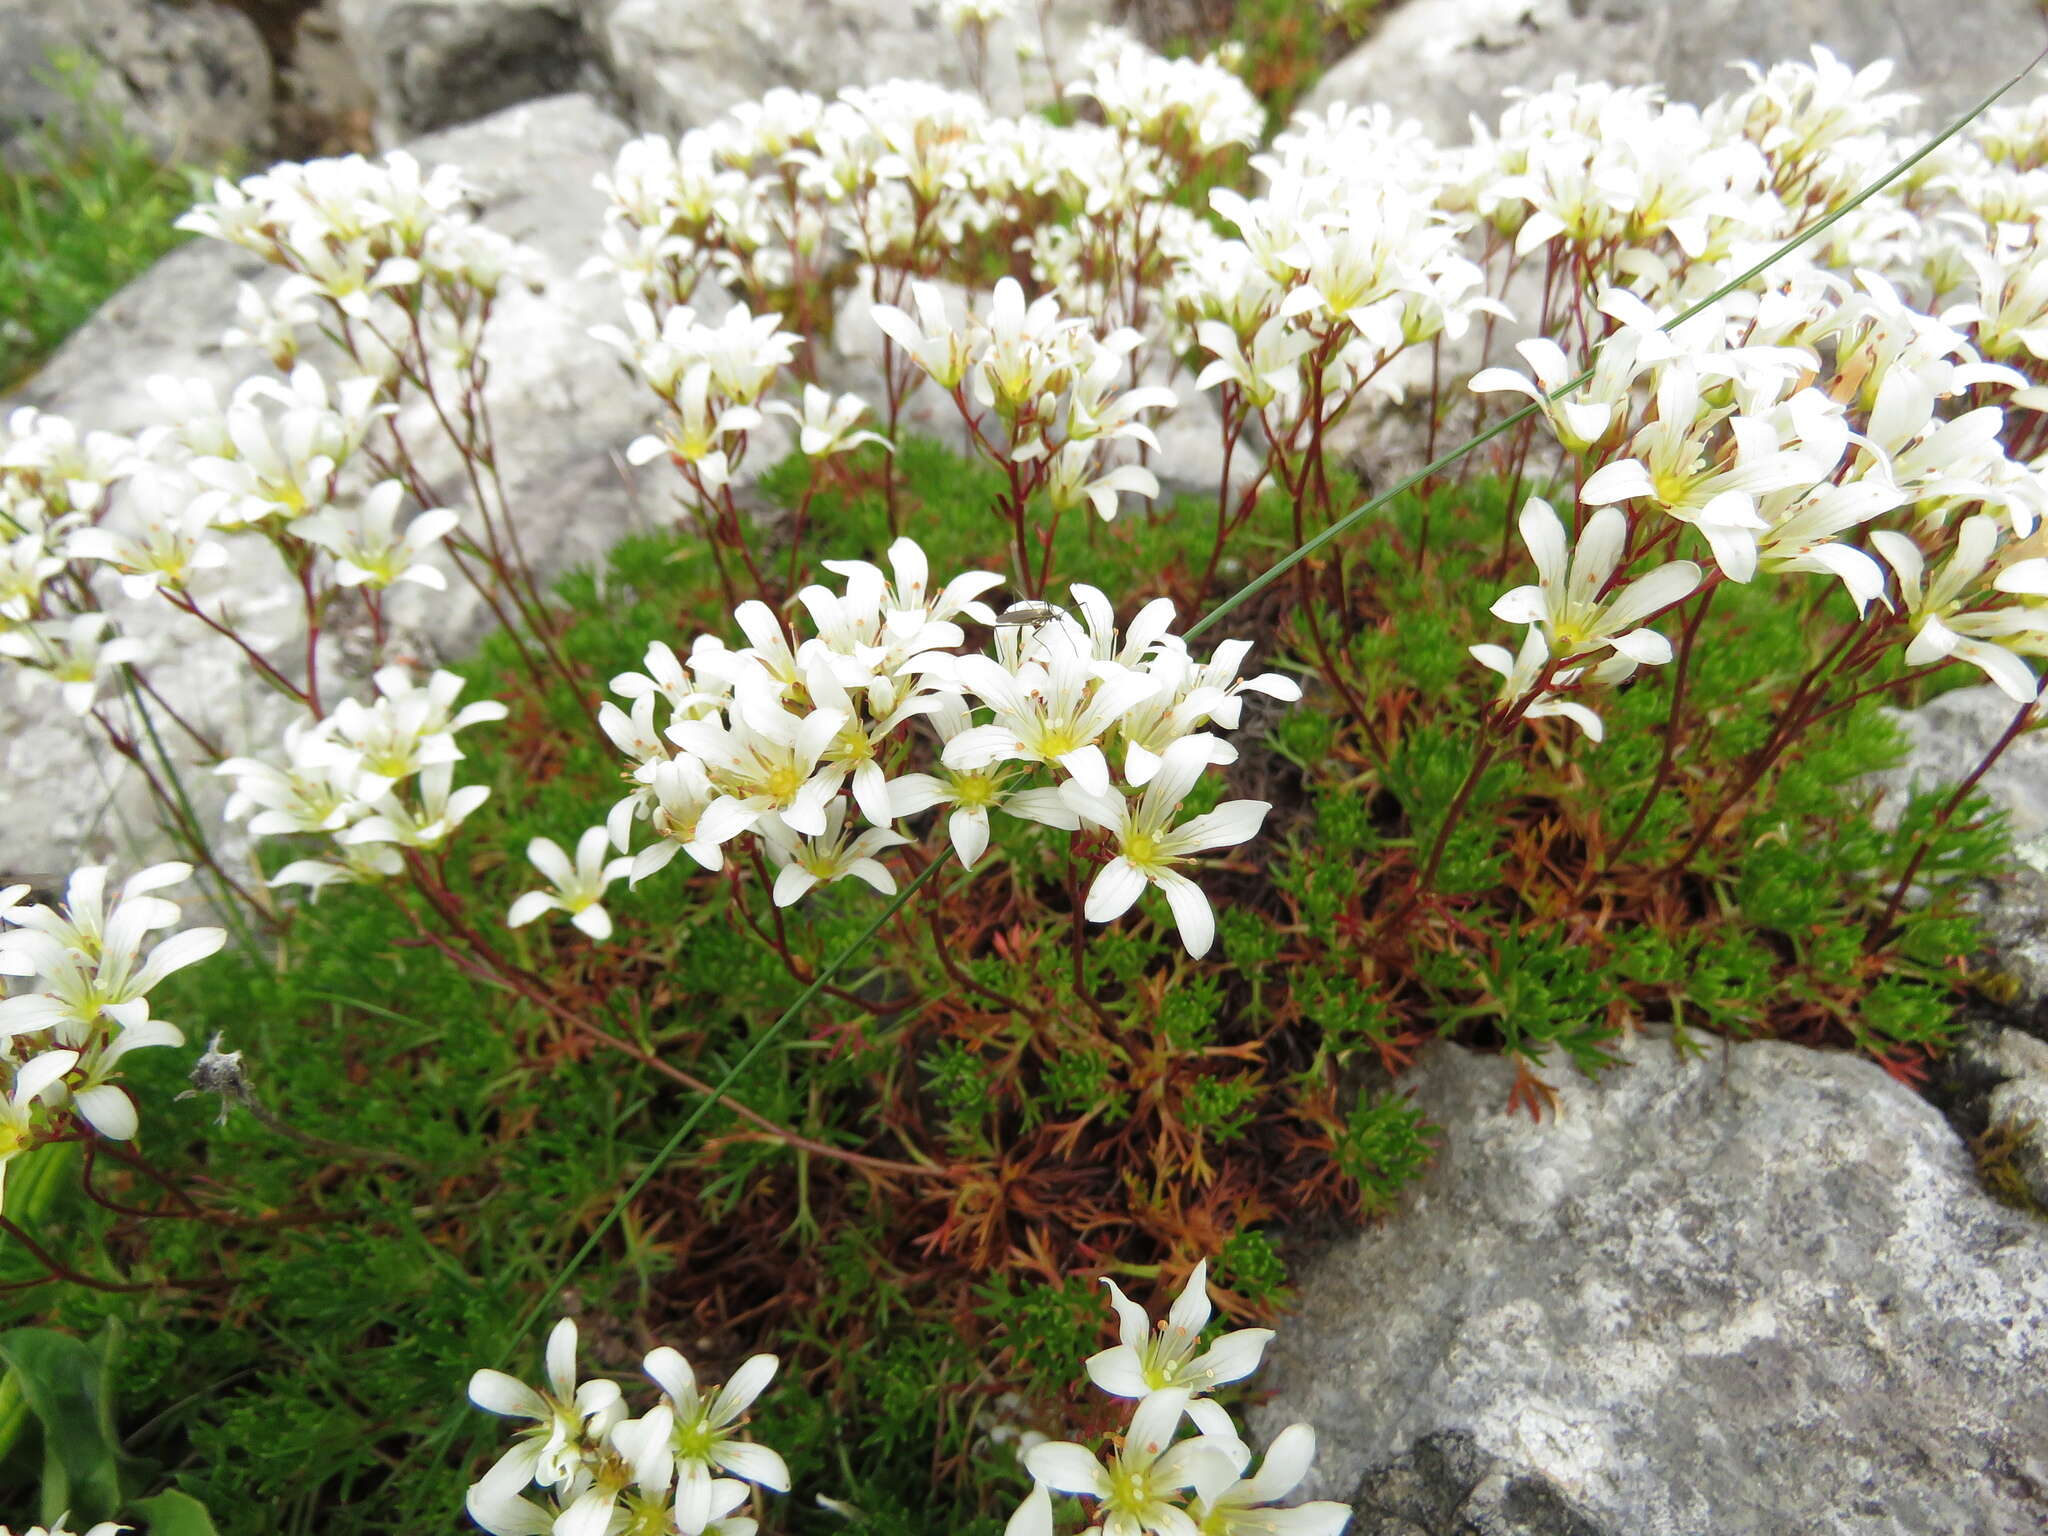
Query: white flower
{"type": "Point", "coordinates": [369, 551]}
{"type": "Point", "coordinates": [703, 1429]}
{"type": "Point", "coordinates": [1149, 845]}
{"type": "Point", "coordinates": [1936, 608]}
{"type": "Point", "coordinates": [579, 889]}
{"type": "Point", "coordinates": [825, 425]}
{"type": "Point", "coordinates": [1072, 479]}
{"type": "Point", "coordinates": [1524, 669]}
{"type": "Point", "coordinates": [88, 963]}
{"type": "Point", "coordinates": [765, 760]}
{"type": "Point", "coordinates": [974, 792]}
{"type": "Point", "coordinates": [366, 864]}
{"type": "Point", "coordinates": [169, 546]}
{"type": "Point", "coordinates": [1137, 1489]}
{"type": "Point", "coordinates": [1572, 599]}
{"type": "Point", "coordinates": [930, 340]}
{"type": "Point", "coordinates": [829, 855]}
{"type": "Point", "coordinates": [442, 809]}
{"type": "Point", "coordinates": [73, 654]}
{"type": "Point", "coordinates": [569, 1419]}
{"type": "Point", "coordinates": [1145, 1361]}
{"type": "Point", "coordinates": [1243, 1507]}
{"type": "Point", "coordinates": [1054, 711]}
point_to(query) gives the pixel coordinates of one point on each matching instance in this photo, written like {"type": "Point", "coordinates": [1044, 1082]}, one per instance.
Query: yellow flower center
{"type": "Point", "coordinates": [974, 791]}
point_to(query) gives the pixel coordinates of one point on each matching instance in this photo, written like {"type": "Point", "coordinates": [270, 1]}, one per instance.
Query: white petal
{"type": "Point", "coordinates": [1114, 890]}
{"type": "Point", "coordinates": [561, 1357]}
{"type": "Point", "coordinates": [1544, 535]}
{"type": "Point", "coordinates": [1118, 1372]}
{"type": "Point", "coordinates": [495, 1392]}
{"type": "Point", "coordinates": [1191, 911]}
{"type": "Point", "coordinates": [109, 1111]}
{"type": "Point", "coordinates": [1066, 1467]}
{"type": "Point", "coordinates": [529, 906]}
{"type": "Point", "coordinates": [755, 1463]}
{"type": "Point", "coordinates": [747, 1383]}
{"type": "Point", "coordinates": [1623, 480]}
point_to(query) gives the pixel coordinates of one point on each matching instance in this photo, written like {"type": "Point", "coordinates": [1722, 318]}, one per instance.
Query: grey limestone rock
{"type": "Point", "coordinates": [679, 63]}
{"type": "Point", "coordinates": [1947, 737]}
{"type": "Point", "coordinates": [2019, 1108]}
{"type": "Point", "coordinates": [1754, 1293]}
{"type": "Point", "coordinates": [1447, 1486]}
{"type": "Point", "coordinates": [1443, 60]}
{"type": "Point", "coordinates": [193, 79]}
{"type": "Point", "coordinates": [432, 64]}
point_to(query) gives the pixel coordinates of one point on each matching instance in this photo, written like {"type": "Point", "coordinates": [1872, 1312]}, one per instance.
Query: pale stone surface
{"type": "Point", "coordinates": [2020, 1109]}
{"type": "Point", "coordinates": [194, 79]}
{"type": "Point", "coordinates": [1442, 60]}
{"type": "Point", "coordinates": [1754, 1294]}
{"type": "Point", "coordinates": [679, 63]}
{"type": "Point", "coordinates": [1447, 1486]}
{"type": "Point", "coordinates": [434, 63]}
{"type": "Point", "coordinates": [562, 412]}
{"type": "Point", "coordinates": [1947, 737]}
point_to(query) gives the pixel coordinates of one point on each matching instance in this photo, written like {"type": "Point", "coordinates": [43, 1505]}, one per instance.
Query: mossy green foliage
{"type": "Point", "coordinates": [79, 216]}
{"type": "Point", "coordinates": [312, 1341]}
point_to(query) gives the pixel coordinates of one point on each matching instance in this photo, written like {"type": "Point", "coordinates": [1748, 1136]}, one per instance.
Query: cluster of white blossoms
{"type": "Point", "coordinates": [1157, 1482]}
{"type": "Point", "coordinates": [1051, 388]}
{"type": "Point", "coordinates": [78, 1001]}
{"type": "Point", "coordinates": [1777, 426]}
{"type": "Point", "coordinates": [56, 1528]}
{"type": "Point", "coordinates": [715, 381]}
{"type": "Point", "coordinates": [814, 748]}
{"type": "Point", "coordinates": [778, 194]}
{"type": "Point", "coordinates": [387, 252]}
{"type": "Point", "coordinates": [1186, 106]}
{"type": "Point", "coordinates": [680, 1469]}
{"type": "Point", "coordinates": [376, 777]}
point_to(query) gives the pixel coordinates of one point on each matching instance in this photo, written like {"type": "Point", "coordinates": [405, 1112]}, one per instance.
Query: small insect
{"type": "Point", "coordinates": [1029, 617]}
{"type": "Point", "coordinates": [1031, 612]}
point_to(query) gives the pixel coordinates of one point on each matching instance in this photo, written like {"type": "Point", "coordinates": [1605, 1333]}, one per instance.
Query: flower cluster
{"type": "Point", "coordinates": [375, 777]}
{"type": "Point", "coordinates": [772, 199]}
{"type": "Point", "coordinates": [816, 748]}
{"type": "Point", "coordinates": [1051, 385]}
{"type": "Point", "coordinates": [1776, 427]}
{"type": "Point", "coordinates": [1156, 1483]}
{"type": "Point", "coordinates": [85, 971]}
{"type": "Point", "coordinates": [680, 1469]}
{"type": "Point", "coordinates": [386, 249]}
{"type": "Point", "coordinates": [1196, 106]}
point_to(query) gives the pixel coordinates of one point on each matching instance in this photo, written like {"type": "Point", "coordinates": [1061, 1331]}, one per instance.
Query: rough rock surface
{"type": "Point", "coordinates": [1447, 1486]}
{"type": "Point", "coordinates": [194, 79]}
{"type": "Point", "coordinates": [678, 63]}
{"type": "Point", "coordinates": [435, 63]}
{"type": "Point", "coordinates": [672, 64]}
{"type": "Point", "coordinates": [1996, 1081]}
{"type": "Point", "coordinates": [561, 411]}
{"type": "Point", "coordinates": [1947, 737]}
{"type": "Point", "coordinates": [1757, 1293]}
{"type": "Point", "coordinates": [1441, 60]}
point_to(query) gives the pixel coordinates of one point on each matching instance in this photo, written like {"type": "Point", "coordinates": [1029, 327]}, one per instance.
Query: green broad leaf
{"type": "Point", "coordinates": [174, 1514]}
{"type": "Point", "coordinates": [64, 1381]}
